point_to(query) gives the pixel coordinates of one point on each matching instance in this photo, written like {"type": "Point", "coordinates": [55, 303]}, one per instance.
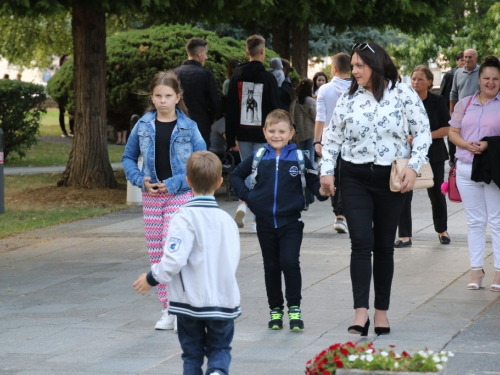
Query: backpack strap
{"type": "Point", "coordinates": [255, 165]}
{"type": "Point", "coordinates": [303, 170]}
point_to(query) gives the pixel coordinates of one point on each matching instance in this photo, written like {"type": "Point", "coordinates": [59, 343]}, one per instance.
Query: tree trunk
{"type": "Point", "coordinates": [300, 48]}
{"type": "Point", "coordinates": [88, 164]}
{"type": "Point", "coordinates": [281, 40]}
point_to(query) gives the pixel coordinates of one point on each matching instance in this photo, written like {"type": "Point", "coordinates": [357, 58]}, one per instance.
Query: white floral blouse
{"type": "Point", "coordinates": [366, 131]}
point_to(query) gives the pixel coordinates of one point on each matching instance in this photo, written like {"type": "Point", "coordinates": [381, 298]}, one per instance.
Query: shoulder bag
{"type": "Point", "coordinates": [425, 177]}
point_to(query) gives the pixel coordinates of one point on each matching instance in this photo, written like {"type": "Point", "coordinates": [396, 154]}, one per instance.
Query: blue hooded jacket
{"type": "Point", "coordinates": [277, 198]}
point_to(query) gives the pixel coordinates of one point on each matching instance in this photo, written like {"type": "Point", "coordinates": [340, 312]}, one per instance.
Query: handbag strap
{"type": "Point", "coordinates": [403, 115]}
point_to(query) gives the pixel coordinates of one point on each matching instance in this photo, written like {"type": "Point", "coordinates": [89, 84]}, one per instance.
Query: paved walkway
{"type": "Point", "coordinates": [67, 305]}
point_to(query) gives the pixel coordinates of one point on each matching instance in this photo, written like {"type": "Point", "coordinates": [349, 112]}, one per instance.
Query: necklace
{"type": "Point", "coordinates": [479, 100]}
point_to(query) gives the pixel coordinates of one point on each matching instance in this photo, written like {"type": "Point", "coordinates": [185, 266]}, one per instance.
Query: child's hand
{"type": "Point", "coordinates": [162, 187]}
{"type": "Point", "coordinates": [141, 285]}
{"type": "Point", "coordinates": [150, 188]}
{"type": "Point", "coordinates": [324, 192]}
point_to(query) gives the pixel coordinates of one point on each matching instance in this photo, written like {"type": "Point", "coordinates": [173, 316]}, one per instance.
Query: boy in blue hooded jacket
{"type": "Point", "coordinates": [276, 200]}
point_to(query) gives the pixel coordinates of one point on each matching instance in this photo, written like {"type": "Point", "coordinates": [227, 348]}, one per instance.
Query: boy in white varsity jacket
{"type": "Point", "coordinates": [201, 255]}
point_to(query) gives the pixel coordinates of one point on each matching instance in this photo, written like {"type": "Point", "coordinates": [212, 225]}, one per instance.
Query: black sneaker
{"type": "Point", "coordinates": [296, 323]}
{"type": "Point", "coordinates": [276, 319]}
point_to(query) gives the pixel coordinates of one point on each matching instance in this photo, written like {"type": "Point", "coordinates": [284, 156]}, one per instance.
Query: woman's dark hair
{"type": "Point", "coordinates": [315, 84]}
{"type": "Point", "coordinates": [489, 62]}
{"type": "Point", "coordinates": [382, 65]}
{"type": "Point", "coordinates": [304, 89]}
{"type": "Point", "coordinates": [231, 65]}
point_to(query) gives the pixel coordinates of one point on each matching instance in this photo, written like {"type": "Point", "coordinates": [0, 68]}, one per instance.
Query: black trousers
{"type": "Point", "coordinates": [281, 251]}
{"type": "Point", "coordinates": [438, 203]}
{"type": "Point", "coordinates": [373, 213]}
{"type": "Point", "coordinates": [337, 198]}
{"type": "Point", "coordinates": [62, 110]}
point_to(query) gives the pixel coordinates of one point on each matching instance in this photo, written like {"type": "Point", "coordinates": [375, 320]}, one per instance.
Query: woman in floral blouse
{"type": "Point", "coordinates": [369, 132]}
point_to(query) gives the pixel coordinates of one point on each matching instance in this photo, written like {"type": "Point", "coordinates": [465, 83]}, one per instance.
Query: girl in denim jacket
{"type": "Point", "coordinates": [166, 138]}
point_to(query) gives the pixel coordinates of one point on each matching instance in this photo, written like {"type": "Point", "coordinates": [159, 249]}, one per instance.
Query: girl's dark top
{"type": "Point", "coordinates": [438, 114]}
{"type": "Point", "coordinates": [162, 148]}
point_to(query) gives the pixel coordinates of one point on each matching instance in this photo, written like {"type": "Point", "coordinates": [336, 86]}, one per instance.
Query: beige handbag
{"type": "Point", "coordinates": [425, 177]}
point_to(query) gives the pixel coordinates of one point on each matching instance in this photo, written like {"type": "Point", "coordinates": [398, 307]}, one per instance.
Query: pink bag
{"type": "Point", "coordinates": [450, 187]}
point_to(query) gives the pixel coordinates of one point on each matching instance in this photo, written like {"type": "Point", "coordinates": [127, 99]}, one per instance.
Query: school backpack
{"type": "Point", "coordinates": [308, 196]}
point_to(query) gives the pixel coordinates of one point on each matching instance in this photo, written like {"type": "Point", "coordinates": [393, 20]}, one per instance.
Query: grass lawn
{"type": "Point", "coordinates": [40, 203]}
{"type": "Point", "coordinates": [50, 150]}
{"type": "Point", "coordinates": [50, 123]}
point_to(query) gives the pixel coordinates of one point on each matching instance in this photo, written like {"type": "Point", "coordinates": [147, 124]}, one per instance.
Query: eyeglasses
{"type": "Point", "coordinates": [361, 47]}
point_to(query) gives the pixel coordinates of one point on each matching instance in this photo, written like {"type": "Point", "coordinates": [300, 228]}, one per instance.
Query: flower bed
{"type": "Point", "coordinates": [340, 357]}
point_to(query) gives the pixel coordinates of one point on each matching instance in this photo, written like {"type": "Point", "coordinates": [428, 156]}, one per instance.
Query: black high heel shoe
{"type": "Point", "coordinates": [359, 330]}
{"type": "Point", "coordinates": [382, 330]}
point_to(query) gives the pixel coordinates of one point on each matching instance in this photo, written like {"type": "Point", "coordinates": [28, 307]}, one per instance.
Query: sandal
{"type": "Point", "coordinates": [444, 239]}
{"type": "Point", "coordinates": [495, 287]}
{"type": "Point", "coordinates": [476, 286]}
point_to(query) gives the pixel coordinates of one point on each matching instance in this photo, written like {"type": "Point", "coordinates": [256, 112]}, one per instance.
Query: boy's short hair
{"type": "Point", "coordinates": [194, 44]}
{"type": "Point", "coordinates": [459, 56]}
{"type": "Point", "coordinates": [343, 62]}
{"type": "Point", "coordinates": [278, 115]}
{"type": "Point", "coordinates": [204, 170]}
{"type": "Point", "coordinates": [254, 44]}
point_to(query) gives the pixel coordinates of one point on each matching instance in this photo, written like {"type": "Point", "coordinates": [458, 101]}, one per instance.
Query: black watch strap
{"type": "Point", "coordinates": [316, 143]}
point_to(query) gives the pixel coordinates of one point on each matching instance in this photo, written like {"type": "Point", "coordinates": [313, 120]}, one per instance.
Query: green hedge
{"type": "Point", "coordinates": [21, 106]}
{"type": "Point", "coordinates": [134, 57]}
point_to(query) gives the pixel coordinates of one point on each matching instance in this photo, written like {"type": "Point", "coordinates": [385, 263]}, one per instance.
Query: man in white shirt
{"type": "Point", "coordinates": [328, 95]}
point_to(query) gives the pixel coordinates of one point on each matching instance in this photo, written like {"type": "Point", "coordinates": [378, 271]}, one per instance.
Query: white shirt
{"type": "Point", "coordinates": [366, 131]}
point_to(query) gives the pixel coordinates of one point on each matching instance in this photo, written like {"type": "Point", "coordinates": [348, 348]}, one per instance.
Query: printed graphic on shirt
{"type": "Point", "coordinates": [174, 244]}
{"type": "Point", "coordinates": [294, 171]}
{"type": "Point", "coordinates": [251, 104]}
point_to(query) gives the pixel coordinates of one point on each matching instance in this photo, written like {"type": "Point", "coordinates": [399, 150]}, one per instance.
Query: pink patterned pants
{"type": "Point", "coordinates": [158, 209]}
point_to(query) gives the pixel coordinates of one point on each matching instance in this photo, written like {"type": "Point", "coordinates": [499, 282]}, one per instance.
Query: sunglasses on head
{"type": "Point", "coordinates": [361, 47]}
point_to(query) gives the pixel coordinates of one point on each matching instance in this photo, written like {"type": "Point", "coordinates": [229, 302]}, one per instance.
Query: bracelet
{"type": "Point", "coordinates": [317, 143]}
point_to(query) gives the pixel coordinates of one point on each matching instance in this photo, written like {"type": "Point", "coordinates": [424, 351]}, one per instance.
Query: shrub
{"type": "Point", "coordinates": [134, 57]}
{"type": "Point", "coordinates": [21, 106]}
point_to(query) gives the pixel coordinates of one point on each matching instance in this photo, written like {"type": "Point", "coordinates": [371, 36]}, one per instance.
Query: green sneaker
{"type": "Point", "coordinates": [276, 319]}
{"type": "Point", "coordinates": [296, 323]}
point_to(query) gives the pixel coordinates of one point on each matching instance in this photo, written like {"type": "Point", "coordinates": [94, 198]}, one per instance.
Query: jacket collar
{"type": "Point", "coordinates": [182, 119]}
{"type": "Point", "coordinates": [285, 150]}
{"type": "Point", "coordinates": [192, 62]}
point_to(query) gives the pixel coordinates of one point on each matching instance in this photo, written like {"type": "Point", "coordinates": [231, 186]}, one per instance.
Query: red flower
{"type": "Point", "coordinates": [335, 359]}
{"type": "Point", "coordinates": [361, 349]}
{"type": "Point", "coordinates": [392, 346]}
{"type": "Point", "coordinates": [344, 352]}
{"type": "Point", "coordinates": [334, 347]}
{"type": "Point", "coordinates": [339, 364]}
{"type": "Point", "coordinates": [324, 361]}
{"type": "Point", "coordinates": [405, 354]}
{"type": "Point", "coordinates": [308, 362]}
{"type": "Point", "coordinates": [349, 344]}
{"type": "Point", "coordinates": [326, 372]}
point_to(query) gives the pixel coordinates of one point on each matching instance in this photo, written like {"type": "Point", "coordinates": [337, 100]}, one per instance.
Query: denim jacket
{"type": "Point", "coordinates": [185, 140]}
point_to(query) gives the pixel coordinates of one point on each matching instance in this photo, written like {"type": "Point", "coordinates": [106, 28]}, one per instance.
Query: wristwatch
{"type": "Point", "coordinates": [317, 143]}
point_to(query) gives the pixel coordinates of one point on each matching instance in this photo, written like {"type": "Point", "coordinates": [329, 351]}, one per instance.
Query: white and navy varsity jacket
{"type": "Point", "coordinates": [200, 258]}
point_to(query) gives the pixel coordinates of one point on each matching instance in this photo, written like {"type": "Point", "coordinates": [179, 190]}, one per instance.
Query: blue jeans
{"type": "Point", "coordinates": [246, 149]}
{"type": "Point", "coordinates": [200, 338]}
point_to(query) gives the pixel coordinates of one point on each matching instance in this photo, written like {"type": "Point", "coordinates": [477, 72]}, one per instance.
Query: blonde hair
{"type": "Point", "coordinates": [166, 79]}
{"type": "Point", "coordinates": [254, 44]}
{"type": "Point", "coordinates": [428, 74]}
{"type": "Point", "coordinates": [204, 170]}
{"type": "Point", "coordinates": [278, 115]}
